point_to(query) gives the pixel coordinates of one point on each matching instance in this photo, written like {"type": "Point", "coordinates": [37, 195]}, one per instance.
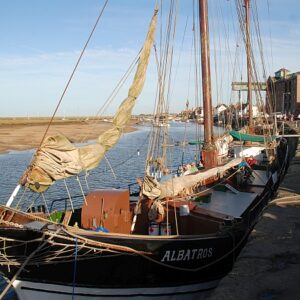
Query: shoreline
{"type": "Point", "coordinates": [27, 134]}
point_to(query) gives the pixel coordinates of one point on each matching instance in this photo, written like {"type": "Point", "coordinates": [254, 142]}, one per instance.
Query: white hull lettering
{"type": "Point", "coordinates": [188, 254]}
{"type": "Point", "coordinates": [173, 258]}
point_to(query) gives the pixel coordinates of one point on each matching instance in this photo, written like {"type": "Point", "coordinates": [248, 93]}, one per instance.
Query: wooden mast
{"type": "Point", "coordinates": [249, 64]}
{"type": "Point", "coordinates": [209, 154]}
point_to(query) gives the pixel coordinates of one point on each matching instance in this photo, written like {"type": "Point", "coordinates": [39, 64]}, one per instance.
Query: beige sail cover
{"type": "Point", "coordinates": [176, 185]}
{"type": "Point", "coordinates": [58, 158]}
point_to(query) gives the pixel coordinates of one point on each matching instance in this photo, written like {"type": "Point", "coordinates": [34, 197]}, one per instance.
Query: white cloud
{"type": "Point", "coordinates": [34, 83]}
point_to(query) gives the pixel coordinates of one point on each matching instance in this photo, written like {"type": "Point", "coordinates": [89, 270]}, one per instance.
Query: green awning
{"type": "Point", "coordinates": [251, 137]}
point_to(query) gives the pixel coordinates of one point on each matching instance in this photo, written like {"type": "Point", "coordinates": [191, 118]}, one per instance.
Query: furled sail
{"type": "Point", "coordinates": [174, 186]}
{"type": "Point", "coordinates": [58, 158]}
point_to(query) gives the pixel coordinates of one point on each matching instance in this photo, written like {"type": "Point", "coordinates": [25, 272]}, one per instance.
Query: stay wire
{"type": "Point", "coordinates": [113, 93]}
{"type": "Point", "coordinates": [73, 72]}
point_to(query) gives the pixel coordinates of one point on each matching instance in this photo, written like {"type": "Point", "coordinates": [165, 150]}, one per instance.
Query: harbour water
{"type": "Point", "coordinates": [122, 165]}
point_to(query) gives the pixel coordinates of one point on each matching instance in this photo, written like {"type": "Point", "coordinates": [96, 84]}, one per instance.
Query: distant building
{"type": "Point", "coordinates": [197, 113]}
{"type": "Point", "coordinates": [284, 92]}
{"type": "Point", "coordinates": [220, 108]}
{"type": "Point", "coordinates": [255, 111]}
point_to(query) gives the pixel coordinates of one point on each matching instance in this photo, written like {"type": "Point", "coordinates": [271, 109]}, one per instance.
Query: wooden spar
{"type": "Point", "coordinates": [13, 195]}
{"type": "Point", "coordinates": [249, 64]}
{"type": "Point", "coordinates": [205, 64]}
{"type": "Point", "coordinates": [209, 155]}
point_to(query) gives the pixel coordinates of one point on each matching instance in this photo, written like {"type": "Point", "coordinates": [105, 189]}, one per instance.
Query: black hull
{"type": "Point", "coordinates": [194, 264]}
{"type": "Point", "coordinates": [172, 262]}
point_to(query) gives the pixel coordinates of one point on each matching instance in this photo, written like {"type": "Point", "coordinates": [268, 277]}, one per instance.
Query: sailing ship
{"type": "Point", "coordinates": [181, 235]}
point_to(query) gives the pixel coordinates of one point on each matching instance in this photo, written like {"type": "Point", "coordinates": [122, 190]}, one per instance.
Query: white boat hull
{"type": "Point", "coordinates": [27, 290]}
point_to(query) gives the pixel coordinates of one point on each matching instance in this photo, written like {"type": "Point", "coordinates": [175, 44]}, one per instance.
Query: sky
{"type": "Point", "coordinates": [41, 42]}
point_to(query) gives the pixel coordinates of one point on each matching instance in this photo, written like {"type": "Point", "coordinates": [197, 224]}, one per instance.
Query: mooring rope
{"type": "Point", "coordinates": [288, 200]}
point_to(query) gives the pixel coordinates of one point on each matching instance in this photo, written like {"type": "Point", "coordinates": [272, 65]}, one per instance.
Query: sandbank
{"type": "Point", "coordinates": [27, 133]}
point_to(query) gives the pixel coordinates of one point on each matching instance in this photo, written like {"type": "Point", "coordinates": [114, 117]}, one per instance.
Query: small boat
{"type": "Point", "coordinates": [161, 124]}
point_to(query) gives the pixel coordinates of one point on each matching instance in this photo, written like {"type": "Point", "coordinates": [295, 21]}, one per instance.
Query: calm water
{"type": "Point", "coordinates": [124, 163]}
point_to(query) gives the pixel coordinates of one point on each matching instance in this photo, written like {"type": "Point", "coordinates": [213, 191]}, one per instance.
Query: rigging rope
{"type": "Point", "coordinates": [72, 74]}
{"type": "Point", "coordinates": [157, 155]}
{"type": "Point", "coordinates": [29, 257]}
{"type": "Point", "coordinates": [254, 69]}
{"type": "Point", "coordinates": [114, 93]}
{"type": "Point", "coordinates": [69, 195]}
{"type": "Point", "coordinates": [81, 189]}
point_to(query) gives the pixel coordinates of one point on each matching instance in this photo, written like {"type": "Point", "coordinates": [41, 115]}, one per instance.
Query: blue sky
{"type": "Point", "coordinates": [41, 41]}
